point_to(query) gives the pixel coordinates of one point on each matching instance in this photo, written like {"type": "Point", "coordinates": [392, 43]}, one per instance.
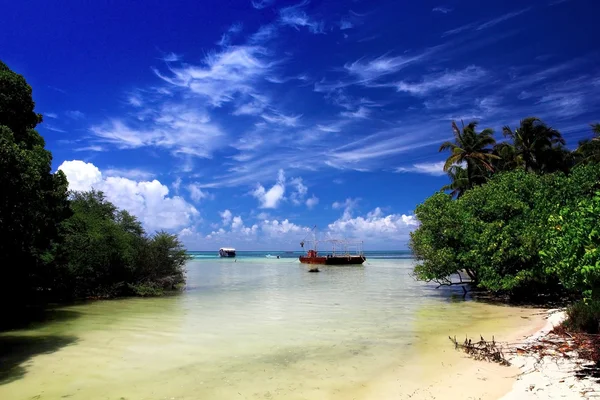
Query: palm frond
{"type": "Point", "coordinates": [447, 145]}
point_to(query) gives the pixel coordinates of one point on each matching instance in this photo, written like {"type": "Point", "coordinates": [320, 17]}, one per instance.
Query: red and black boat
{"type": "Point", "coordinates": [342, 253]}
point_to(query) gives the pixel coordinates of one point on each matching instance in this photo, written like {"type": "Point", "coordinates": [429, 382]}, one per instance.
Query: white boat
{"type": "Point", "coordinates": [226, 252]}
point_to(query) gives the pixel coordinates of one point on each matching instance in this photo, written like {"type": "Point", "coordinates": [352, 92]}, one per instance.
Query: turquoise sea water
{"type": "Point", "coordinates": [400, 255]}
{"type": "Point", "coordinates": [250, 328]}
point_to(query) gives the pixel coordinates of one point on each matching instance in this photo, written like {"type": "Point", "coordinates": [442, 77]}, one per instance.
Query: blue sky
{"type": "Point", "coordinates": [245, 123]}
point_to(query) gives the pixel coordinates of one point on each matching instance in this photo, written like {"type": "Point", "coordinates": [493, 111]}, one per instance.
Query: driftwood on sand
{"type": "Point", "coordinates": [482, 350]}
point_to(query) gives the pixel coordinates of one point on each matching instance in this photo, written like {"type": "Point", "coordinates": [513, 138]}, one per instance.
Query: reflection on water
{"type": "Point", "coordinates": [252, 329]}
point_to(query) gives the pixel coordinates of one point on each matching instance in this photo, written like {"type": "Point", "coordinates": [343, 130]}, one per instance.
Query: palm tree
{"type": "Point", "coordinates": [532, 139]}
{"type": "Point", "coordinates": [589, 149]}
{"type": "Point", "coordinates": [458, 181]}
{"type": "Point", "coordinates": [470, 148]}
{"type": "Point", "coordinates": [508, 159]}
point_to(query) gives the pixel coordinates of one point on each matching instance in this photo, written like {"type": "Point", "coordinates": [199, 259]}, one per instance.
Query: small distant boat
{"type": "Point", "coordinates": [342, 252]}
{"type": "Point", "coordinates": [226, 252]}
{"type": "Point", "coordinates": [270, 256]}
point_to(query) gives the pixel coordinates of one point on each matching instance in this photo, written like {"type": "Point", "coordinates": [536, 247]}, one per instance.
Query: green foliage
{"type": "Point", "coordinates": [33, 201]}
{"type": "Point", "coordinates": [572, 246]}
{"type": "Point", "coordinates": [105, 253]}
{"type": "Point", "coordinates": [442, 239]}
{"type": "Point", "coordinates": [584, 316]}
{"type": "Point", "coordinates": [58, 248]}
{"type": "Point", "coordinates": [502, 234]}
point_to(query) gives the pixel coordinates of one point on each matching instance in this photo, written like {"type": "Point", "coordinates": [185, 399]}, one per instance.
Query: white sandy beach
{"type": "Point", "coordinates": [526, 378]}
{"type": "Point", "coordinates": [550, 377]}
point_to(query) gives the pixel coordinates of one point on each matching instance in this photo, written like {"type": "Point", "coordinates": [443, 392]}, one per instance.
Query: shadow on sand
{"type": "Point", "coordinates": [16, 350]}
{"type": "Point", "coordinates": [19, 342]}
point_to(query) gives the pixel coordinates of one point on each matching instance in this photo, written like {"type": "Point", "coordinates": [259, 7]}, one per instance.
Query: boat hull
{"type": "Point", "coordinates": [334, 260]}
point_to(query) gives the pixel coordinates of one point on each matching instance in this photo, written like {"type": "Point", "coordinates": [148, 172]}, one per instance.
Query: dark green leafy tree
{"type": "Point", "coordinates": [106, 253]}
{"type": "Point", "coordinates": [501, 231]}
{"type": "Point", "coordinates": [33, 200]}
{"type": "Point", "coordinates": [533, 140]}
{"type": "Point", "coordinates": [471, 148]}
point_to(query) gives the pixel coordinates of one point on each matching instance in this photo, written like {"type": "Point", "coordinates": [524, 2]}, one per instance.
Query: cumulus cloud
{"type": "Point", "coordinates": [226, 216]}
{"type": "Point", "coordinates": [375, 225]}
{"type": "Point", "coordinates": [312, 201]}
{"type": "Point", "coordinates": [149, 201]}
{"type": "Point", "coordinates": [272, 197]}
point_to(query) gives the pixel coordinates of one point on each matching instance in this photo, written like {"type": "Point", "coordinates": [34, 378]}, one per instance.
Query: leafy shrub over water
{"type": "Point", "coordinates": [105, 253]}
{"type": "Point", "coordinates": [519, 233]}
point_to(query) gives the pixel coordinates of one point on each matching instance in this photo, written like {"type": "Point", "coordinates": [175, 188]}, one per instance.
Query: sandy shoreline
{"type": "Point", "coordinates": [464, 378]}
{"type": "Point", "coordinates": [550, 377]}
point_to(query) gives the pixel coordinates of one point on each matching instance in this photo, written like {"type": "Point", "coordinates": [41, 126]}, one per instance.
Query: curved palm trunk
{"type": "Point", "coordinates": [469, 174]}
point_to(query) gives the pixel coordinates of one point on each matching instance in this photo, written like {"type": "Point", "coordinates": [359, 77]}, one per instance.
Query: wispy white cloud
{"type": "Point", "coordinates": [442, 9]}
{"type": "Point", "coordinates": [181, 128]}
{"type": "Point", "coordinates": [171, 57]}
{"type": "Point", "coordinates": [478, 26]}
{"type": "Point", "coordinates": [299, 193]}
{"type": "Point", "coordinates": [371, 151]}
{"type": "Point", "coordinates": [459, 29]}
{"type": "Point", "coordinates": [445, 80]}
{"type": "Point", "coordinates": [134, 173]}
{"type": "Point", "coordinates": [296, 17]}
{"type": "Point", "coordinates": [228, 35]}
{"type": "Point", "coordinates": [361, 112]}
{"type": "Point", "coordinates": [281, 119]}
{"type": "Point", "coordinates": [345, 24]}
{"type": "Point", "coordinates": [432, 168]}
{"type": "Point", "coordinates": [223, 75]}
{"type": "Point", "coordinates": [95, 148]}
{"type": "Point", "coordinates": [370, 70]}
{"type": "Point", "coordinates": [53, 128]}
{"type": "Point", "coordinates": [197, 194]}
{"type": "Point", "coordinates": [134, 100]}
{"type": "Point", "coordinates": [75, 114]}
{"type": "Point", "coordinates": [263, 35]}
{"type": "Point", "coordinates": [347, 205]}
{"type": "Point", "coordinates": [502, 18]}
{"type": "Point", "coordinates": [260, 4]}
{"type": "Point", "coordinates": [51, 115]}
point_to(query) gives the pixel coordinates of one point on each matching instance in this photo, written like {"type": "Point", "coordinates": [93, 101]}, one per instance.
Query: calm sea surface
{"type": "Point", "coordinates": [255, 327]}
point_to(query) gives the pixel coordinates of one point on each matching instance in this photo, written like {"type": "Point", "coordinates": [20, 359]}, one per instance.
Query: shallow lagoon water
{"type": "Point", "coordinates": [255, 328]}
